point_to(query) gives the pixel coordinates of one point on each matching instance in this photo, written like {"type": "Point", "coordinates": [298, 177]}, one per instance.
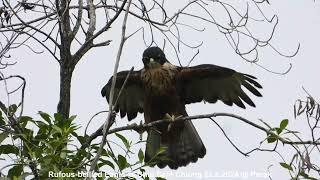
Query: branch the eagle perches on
{"type": "Point", "coordinates": [140, 128]}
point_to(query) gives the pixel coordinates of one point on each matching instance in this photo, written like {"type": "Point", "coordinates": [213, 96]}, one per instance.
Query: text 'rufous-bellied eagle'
{"type": "Point", "coordinates": [161, 89]}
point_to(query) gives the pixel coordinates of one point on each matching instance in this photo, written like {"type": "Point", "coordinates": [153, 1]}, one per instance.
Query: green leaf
{"type": "Point", "coordinates": [28, 133]}
{"type": "Point", "coordinates": [2, 122]}
{"type": "Point", "coordinates": [161, 150]}
{"type": "Point", "coordinates": [142, 170]}
{"type": "Point", "coordinates": [100, 178]}
{"type": "Point", "coordinates": [303, 174]}
{"type": "Point", "coordinates": [124, 140]}
{"type": "Point", "coordinates": [13, 108]}
{"type": "Point", "coordinates": [122, 162]}
{"type": "Point", "coordinates": [57, 129]}
{"type": "Point", "coordinates": [58, 117]}
{"type": "Point", "coordinates": [15, 171]}
{"type": "Point", "coordinates": [160, 178]}
{"type": "Point", "coordinates": [141, 156]}
{"type": "Point", "coordinates": [106, 162]}
{"type": "Point", "coordinates": [81, 139]}
{"type": "Point", "coordinates": [25, 119]}
{"type": "Point", "coordinates": [272, 138]}
{"type": "Point", "coordinates": [25, 175]}
{"type": "Point", "coordinates": [42, 126]}
{"type": "Point", "coordinates": [63, 154]}
{"type": "Point", "coordinates": [9, 149]}
{"type": "Point", "coordinates": [45, 116]}
{"type": "Point", "coordinates": [306, 176]}
{"type": "Point", "coordinates": [111, 178]}
{"type": "Point", "coordinates": [284, 124]}
{"type": "Point", "coordinates": [3, 136]}
{"type": "Point", "coordinates": [72, 118]}
{"type": "Point", "coordinates": [287, 166]}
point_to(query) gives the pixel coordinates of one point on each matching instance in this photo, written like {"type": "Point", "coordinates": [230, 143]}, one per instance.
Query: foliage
{"type": "Point", "coordinates": [56, 147]}
{"type": "Point", "coordinates": [300, 166]}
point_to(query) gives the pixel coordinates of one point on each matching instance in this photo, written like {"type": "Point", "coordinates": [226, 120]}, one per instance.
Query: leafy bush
{"type": "Point", "coordinates": [53, 145]}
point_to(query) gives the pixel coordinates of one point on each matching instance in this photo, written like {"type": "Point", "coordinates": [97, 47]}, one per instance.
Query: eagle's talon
{"type": "Point", "coordinates": [171, 118]}
{"type": "Point", "coordinates": [139, 129]}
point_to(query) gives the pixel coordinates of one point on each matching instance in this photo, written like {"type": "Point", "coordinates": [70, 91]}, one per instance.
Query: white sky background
{"type": "Point", "coordinates": [299, 22]}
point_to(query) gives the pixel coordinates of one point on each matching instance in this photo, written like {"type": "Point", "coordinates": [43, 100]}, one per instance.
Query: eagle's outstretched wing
{"type": "Point", "coordinates": [211, 83]}
{"type": "Point", "coordinates": [132, 97]}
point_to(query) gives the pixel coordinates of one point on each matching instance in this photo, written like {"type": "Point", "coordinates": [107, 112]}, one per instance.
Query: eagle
{"type": "Point", "coordinates": [162, 90]}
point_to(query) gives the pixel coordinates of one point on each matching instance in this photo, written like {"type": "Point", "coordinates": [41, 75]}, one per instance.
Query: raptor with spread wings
{"type": "Point", "coordinates": [161, 89]}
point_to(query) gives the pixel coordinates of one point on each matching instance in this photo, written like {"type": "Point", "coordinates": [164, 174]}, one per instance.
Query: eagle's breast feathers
{"type": "Point", "coordinates": [159, 81]}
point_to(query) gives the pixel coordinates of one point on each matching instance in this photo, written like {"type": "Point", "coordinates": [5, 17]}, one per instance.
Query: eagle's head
{"type": "Point", "coordinates": [153, 57]}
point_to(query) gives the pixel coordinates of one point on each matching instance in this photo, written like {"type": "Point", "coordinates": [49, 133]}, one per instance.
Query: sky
{"type": "Point", "coordinates": [299, 22]}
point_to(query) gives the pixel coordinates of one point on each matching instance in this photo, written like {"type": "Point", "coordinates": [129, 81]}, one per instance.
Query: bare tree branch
{"type": "Point", "coordinates": [110, 114]}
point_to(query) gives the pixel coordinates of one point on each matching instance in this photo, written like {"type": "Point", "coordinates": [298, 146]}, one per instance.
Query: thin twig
{"type": "Point", "coordinates": [110, 114]}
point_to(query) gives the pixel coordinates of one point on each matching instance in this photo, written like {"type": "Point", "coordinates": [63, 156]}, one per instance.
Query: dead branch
{"type": "Point", "coordinates": [109, 120]}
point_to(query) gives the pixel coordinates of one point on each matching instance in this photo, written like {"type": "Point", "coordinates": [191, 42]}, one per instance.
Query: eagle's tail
{"type": "Point", "coordinates": [182, 143]}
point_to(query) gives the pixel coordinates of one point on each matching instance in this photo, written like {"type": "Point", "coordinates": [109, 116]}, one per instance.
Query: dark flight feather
{"type": "Point", "coordinates": [132, 97]}
{"type": "Point", "coordinates": [211, 83]}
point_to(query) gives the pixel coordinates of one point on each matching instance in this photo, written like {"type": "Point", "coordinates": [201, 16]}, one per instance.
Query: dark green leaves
{"type": "Point", "coordinates": [58, 117]}
{"type": "Point", "coordinates": [81, 139]}
{"type": "Point", "coordinates": [106, 162]}
{"type": "Point", "coordinates": [284, 123]}
{"type": "Point", "coordinates": [122, 162]}
{"type": "Point", "coordinates": [3, 136]}
{"type": "Point", "coordinates": [9, 149]}
{"type": "Point", "coordinates": [15, 171]}
{"type": "Point", "coordinates": [160, 178]}
{"type": "Point", "coordinates": [124, 140]}
{"type": "Point", "coordinates": [2, 122]}
{"type": "Point", "coordinates": [272, 137]}
{"type": "Point", "coordinates": [49, 141]}
{"type": "Point", "coordinates": [45, 116]}
{"type": "Point", "coordinates": [287, 166]}
{"type": "Point", "coordinates": [306, 176]}
{"type": "Point", "coordinates": [24, 120]}
{"type": "Point", "coordinates": [141, 156]}
{"type": "Point", "coordinates": [12, 109]}
{"type": "Point", "coordinates": [158, 156]}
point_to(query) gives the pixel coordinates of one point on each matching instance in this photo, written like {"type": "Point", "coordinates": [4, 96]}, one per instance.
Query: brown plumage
{"type": "Point", "coordinates": [161, 88]}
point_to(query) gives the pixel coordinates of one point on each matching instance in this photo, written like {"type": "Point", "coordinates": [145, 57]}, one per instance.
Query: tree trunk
{"type": "Point", "coordinates": [66, 69]}
{"type": "Point", "coordinates": [66, 61]}
{"type": "Point", "coordinates": [65, 88]}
